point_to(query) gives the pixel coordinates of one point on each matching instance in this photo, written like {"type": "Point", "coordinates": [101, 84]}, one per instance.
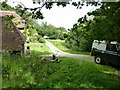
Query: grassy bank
{"type": "Point", "coordinates": [33, 72]}
{"type": "Point", "coordinates": [59, 45]}
{"type": "Point", "coordinates": [39, 48]}
{"type": "Point", "coordinates": [25, 72]}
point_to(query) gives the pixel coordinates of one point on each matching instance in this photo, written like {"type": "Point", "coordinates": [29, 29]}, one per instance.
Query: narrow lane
{"type": "Point", "coordinates": [61, 53]}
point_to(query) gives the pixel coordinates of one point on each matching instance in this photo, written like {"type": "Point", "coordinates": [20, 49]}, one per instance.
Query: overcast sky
{"type": "Point", "coordinates": [66, 16]}
{"type": "Point", "coordinates": [58, 16]}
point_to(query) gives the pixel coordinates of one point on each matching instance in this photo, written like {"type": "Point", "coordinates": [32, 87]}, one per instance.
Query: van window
{"type": "Point", "coordinates": [111, 47]}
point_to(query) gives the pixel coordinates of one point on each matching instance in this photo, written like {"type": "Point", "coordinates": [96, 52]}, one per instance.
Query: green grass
{"type": "Point", "coordinates": [77, 73]}
{"type": "Point", "coordinates": [25, 72]}
{"type": "Point", "coordinates": [32, 72]}
{"type": "Point", "coordinates": [39, 48]}
{"type": "Point", "coordinates": [59, 45]}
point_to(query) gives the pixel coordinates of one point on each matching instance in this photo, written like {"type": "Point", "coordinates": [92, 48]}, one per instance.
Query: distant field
{"type": "Point", "coordinates": [39, 48]}
{"type": "Point", "coordinates": [59, 45]}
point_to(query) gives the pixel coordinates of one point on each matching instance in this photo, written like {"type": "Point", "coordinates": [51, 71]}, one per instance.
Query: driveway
{"type": "Point", "coordinates": [64, 54]}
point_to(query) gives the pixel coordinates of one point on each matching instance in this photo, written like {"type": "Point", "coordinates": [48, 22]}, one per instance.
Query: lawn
{"type": "Point", "coordinates": [39, 48]}
{"type": "Point", "coordinates": [33, 72]}
{"type": "Point", "coordinates": [78, 73]}
{"type": "Point", "coordinates": [59, 45]}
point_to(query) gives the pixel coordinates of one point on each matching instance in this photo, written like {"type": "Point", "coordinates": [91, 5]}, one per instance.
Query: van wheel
{"type": "Point", "coordinates": [98, 60]}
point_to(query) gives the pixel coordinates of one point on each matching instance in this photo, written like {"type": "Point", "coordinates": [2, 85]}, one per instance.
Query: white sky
{"type": "Point", "coordinates": [59, 16]}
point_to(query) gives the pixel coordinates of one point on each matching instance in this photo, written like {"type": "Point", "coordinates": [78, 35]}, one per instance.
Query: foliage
{"type": "Point", "coordinates": [65, 34]}
{"type": "Point", "coordinates": [37, 14]}
{"type": "Point", "coordinates": [77, 40]}
{"type": "Point", "coordinates": [26, 33]}
{"type": "Point", "coordinates": [41, 40]}
{"type": "Point", "coordinates": [31, 25]}
{"type": "Point", "coordinates": [33, 38]}
{"type": "Point", "coordinates": [8, 20]}
{"type": "Point", "coordinates": [6, 7]}
{"type": "Point", "coordinates": [16, 22]}
{"type": "Point", "coordinates": [103, 26]}
{"type": "Point", "coordinates": [51, 31]}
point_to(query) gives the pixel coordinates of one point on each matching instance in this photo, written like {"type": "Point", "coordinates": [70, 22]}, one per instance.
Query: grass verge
{"type": "Point", "coordinates": [59, 45]}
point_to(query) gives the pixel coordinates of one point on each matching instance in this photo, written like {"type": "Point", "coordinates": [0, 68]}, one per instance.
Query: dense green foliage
{"type": "Point", "coordinates": [104, 26]}
{"type": "Point", "coordinates": [51, 31]}
{"type": "Point", "coordinates": [32, 72]}
{"type": "Point", "coordinates": [4, 6]}
{"type": "Point", "coordinates": [41, 40]}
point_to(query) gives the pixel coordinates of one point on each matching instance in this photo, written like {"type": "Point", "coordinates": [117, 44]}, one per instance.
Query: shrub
{"type": "Point", "coordinates": [33, 38]}
{"type": "Point", "coordinates": [83, 46]}
{"type": "Point", "coordinates": [41, 40]}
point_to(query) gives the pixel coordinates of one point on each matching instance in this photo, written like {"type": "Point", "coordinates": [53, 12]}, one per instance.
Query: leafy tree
{"type": "Point", "coordinates": [50, 31]}
{"type": "Point", "coordinates": [104, 26]}
{"type": "Point", "coordinates": [37, 14]}
{"type": "Point", "coordinates": [6, 7]}
{"type": "Point", "coordinates": [62, 29]}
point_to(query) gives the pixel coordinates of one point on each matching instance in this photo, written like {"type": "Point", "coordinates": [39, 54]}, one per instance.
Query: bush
{"type": "Point", "coordinates": [39, 37]}
{"type": "Point", "coordinates": [41, 40]}
{"type": "Point", "coordinates": [83, 46]}
{"type": "Point", "coordinates": [33, 38]}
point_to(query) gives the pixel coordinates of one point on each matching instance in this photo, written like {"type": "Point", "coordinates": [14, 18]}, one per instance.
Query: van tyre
{"type": "Point", "coordinates": [98, 60]}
